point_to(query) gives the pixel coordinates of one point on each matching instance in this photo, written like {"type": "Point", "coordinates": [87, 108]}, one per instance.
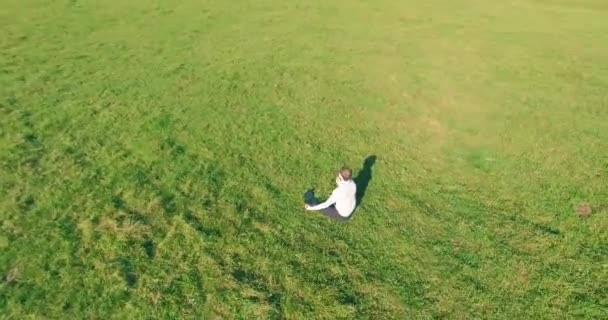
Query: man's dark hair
{"type": "Point", "coordinates": [346, 173]}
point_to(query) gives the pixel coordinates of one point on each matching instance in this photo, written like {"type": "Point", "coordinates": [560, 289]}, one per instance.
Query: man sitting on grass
{"type": "Point", "coordinates": [342, 201]}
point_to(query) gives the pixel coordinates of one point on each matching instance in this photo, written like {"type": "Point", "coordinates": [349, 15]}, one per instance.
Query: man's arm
{"type": "Point", "coordinates": [327, 203]}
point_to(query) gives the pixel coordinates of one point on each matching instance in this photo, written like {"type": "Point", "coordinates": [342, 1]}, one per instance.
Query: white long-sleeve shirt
{"type": "Point", "coordinates": [344, 197]}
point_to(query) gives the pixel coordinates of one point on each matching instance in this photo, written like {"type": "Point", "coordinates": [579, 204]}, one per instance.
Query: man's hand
{"type": "Point", "coordinates": [306, 206]}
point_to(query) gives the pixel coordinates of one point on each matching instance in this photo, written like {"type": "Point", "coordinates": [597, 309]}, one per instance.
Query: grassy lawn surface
{"type": "Point", "coordinates": [153, 156]}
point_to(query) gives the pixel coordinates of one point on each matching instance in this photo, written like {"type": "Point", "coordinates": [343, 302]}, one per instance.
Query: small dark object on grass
{"type": "Point", "coordinates": [583, 210]}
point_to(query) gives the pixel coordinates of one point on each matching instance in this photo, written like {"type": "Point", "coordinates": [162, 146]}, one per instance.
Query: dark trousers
{"type": "Point", "coordinates": [331, 211]}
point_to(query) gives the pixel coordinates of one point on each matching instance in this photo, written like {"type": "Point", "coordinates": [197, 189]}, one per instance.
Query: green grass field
{"type": "Point", "coordinates": [153, 156]}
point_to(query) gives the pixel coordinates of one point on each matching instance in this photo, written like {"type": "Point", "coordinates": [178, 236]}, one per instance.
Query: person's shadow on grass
{"type": "Point", "coordinates": [364, 177]}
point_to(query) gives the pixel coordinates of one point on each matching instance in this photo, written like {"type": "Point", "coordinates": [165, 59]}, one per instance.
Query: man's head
{"type": "Point", "coordinates": [345, 174]}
